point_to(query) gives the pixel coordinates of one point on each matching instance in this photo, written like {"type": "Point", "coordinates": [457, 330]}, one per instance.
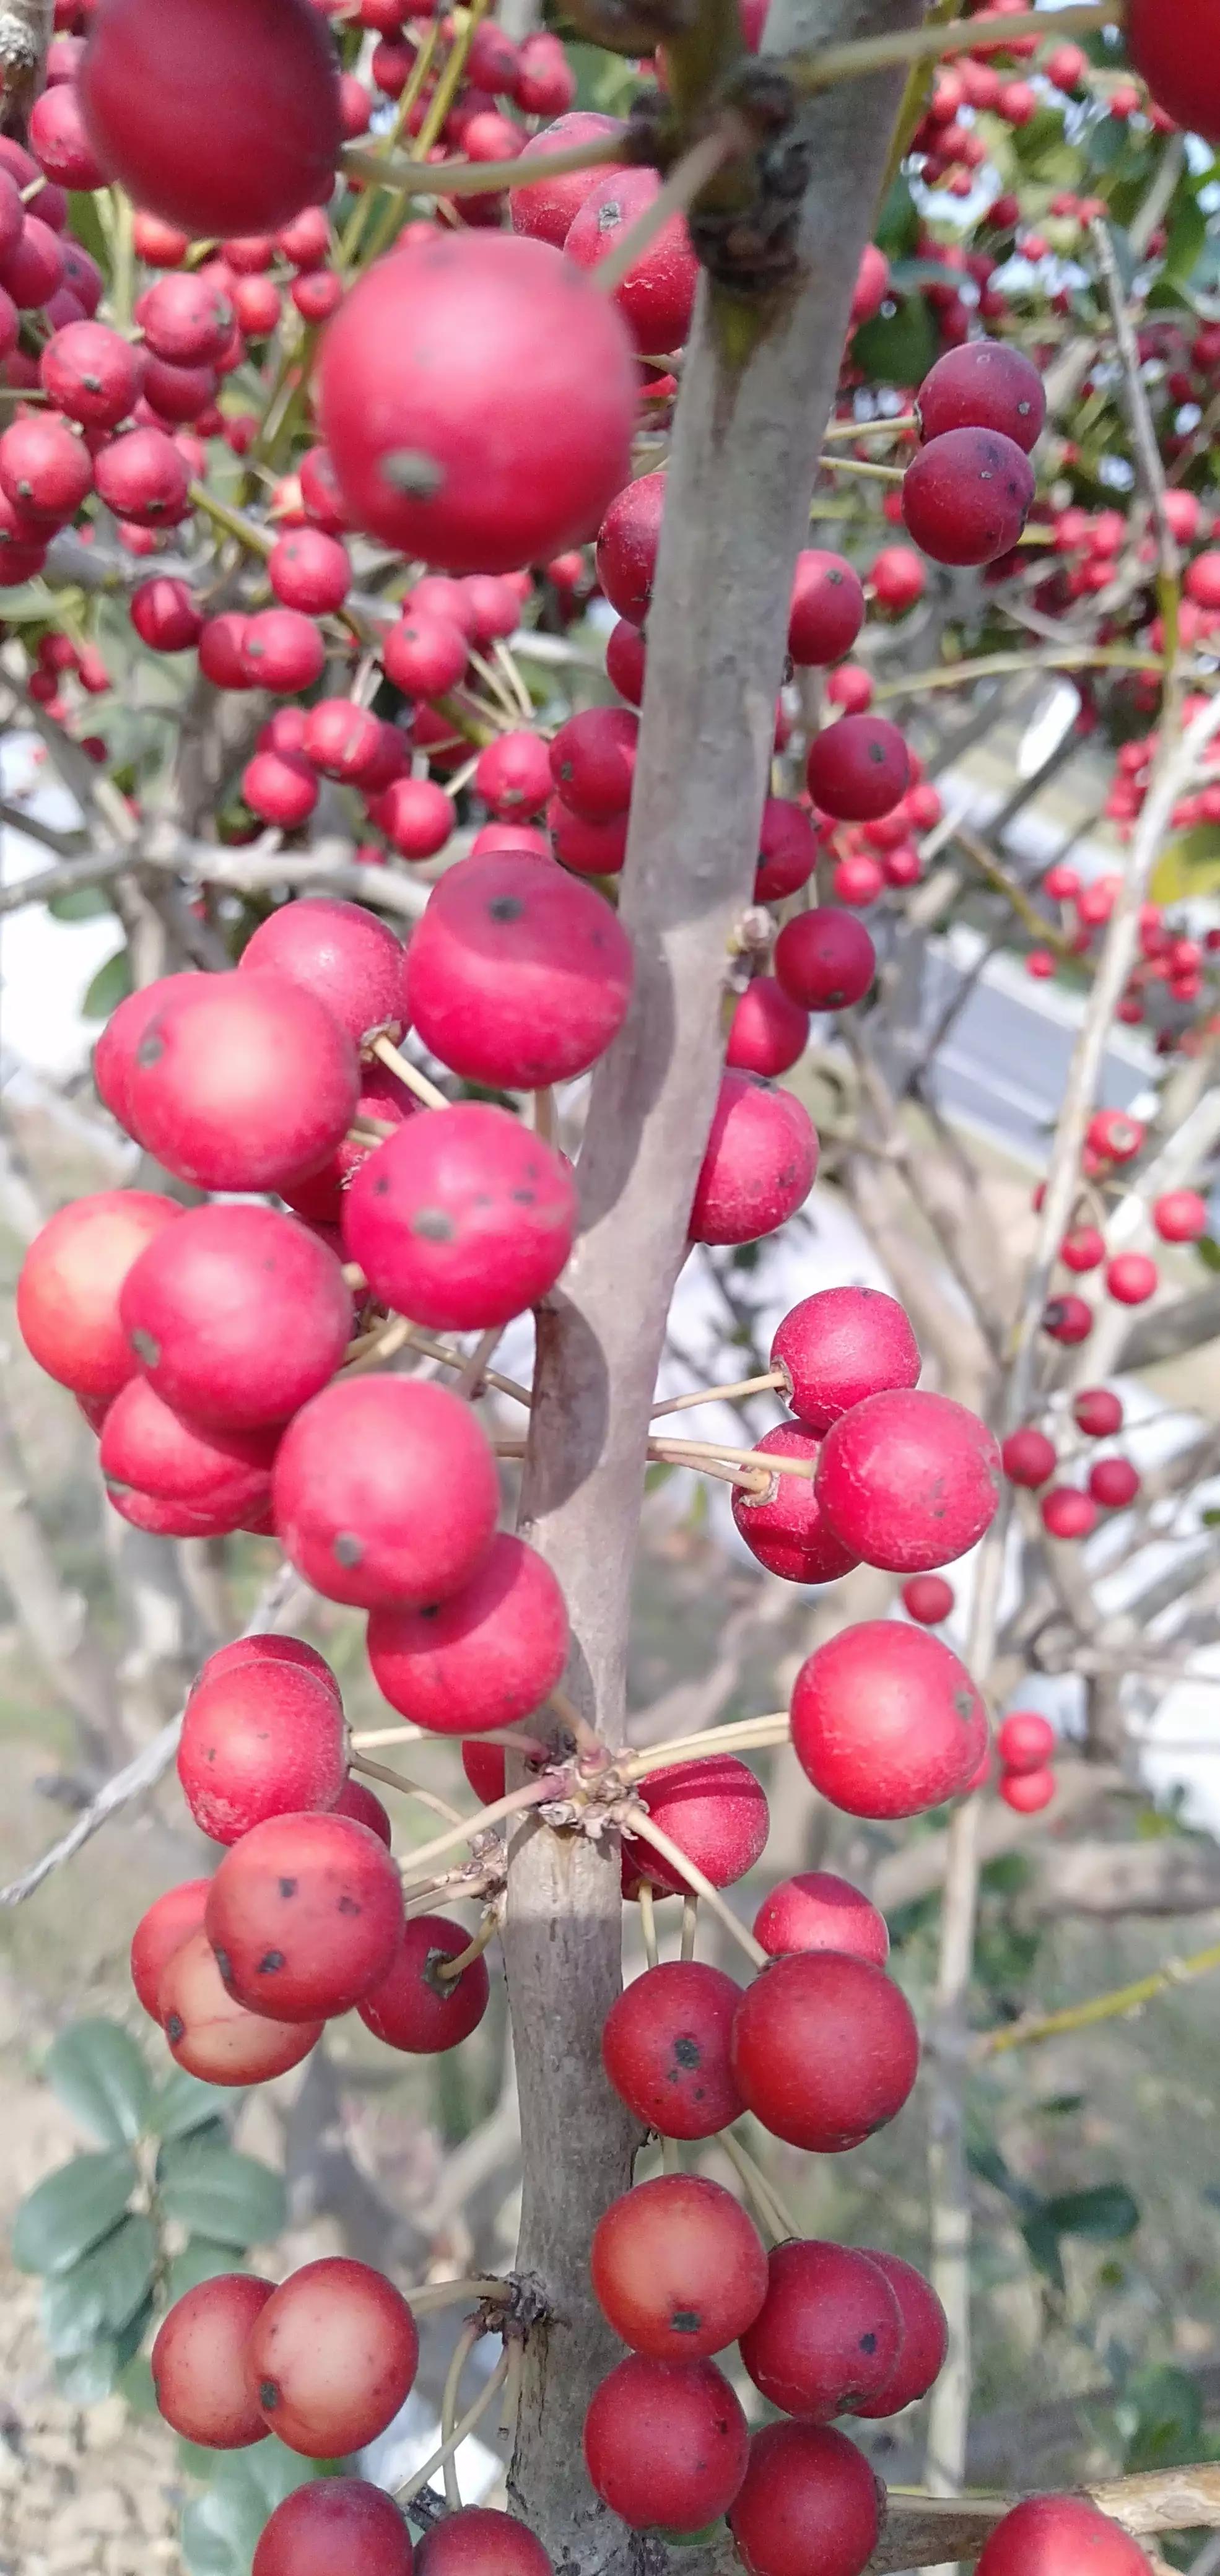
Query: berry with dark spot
{"type": "Point", "coordinates": [665, 2048]}
{"type": "Point", "coordinates": [305, 1916]}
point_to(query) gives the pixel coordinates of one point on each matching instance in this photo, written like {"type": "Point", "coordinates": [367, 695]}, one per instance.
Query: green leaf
{"type": "Point", "coordinates": [222, 2527]}
{"type": "Point", "coordinates": [63, 2216]}
{"type": "Point", "coordinates": [1042, 2244]}
{"type": "Point", "coordinates": [1107, 2214]}
{"type": "Point", "coordinates": [91, 2375]}
{"type": "Point", "coordinates": [1163, 2409]}
{"type": "Point", "coordinates": [81, 903]}
{"type": "Point", "coordinates": [225, 2196]}
{"type": "Point", "coordinates": [201, 2259]}
{"type": "Point", "coordinates": [1187, 235]}
{"type": "Point", "coordinates": [111, 984]}
{"type": "Point", "coordinates": [101, 2293]}
{"type": "Point", "coordinates": [96, 2070]}
{"type": "Point", "coordinates": [897, 348]}
{"type": "Point", "coordinates": [183, 2105]}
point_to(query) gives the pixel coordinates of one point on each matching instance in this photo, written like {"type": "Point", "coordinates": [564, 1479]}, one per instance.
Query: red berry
{"type": "Point", "coordinates": [463, 1219]}
{"type": "Point", "coordinates": [928, 1599]}
{"type": "Point", "coordinates": [196, 1315]}
{"type": "Point", "coordinates": [513, 774]}
{"type": "Point", "coordinates": [211, 2035]}
{"type": "Point", "coordinates": [841, 1345]}
{"type": "Point", "coordinates": [517, 977]}
{"type": "Point", "coordinates": [1097, 1412]}
{"type": "Point", "coordinates": [263, 1740]}
{"type": "Point", "coordinates": [829, 2332]}
{"type": "Point", "coordinates": [196, 2362]}
{"type": "Point", "coordinates": [222, 117]}
{"type": "Point", "coordinates": [784, 1526]}
{"type": "Point", "coordinates": [678, 2268]}
{"type": "Point", "coordinates": [759, 1166]}
{"type": "Point", "coordinates": [357, 1801]}
{"type": "Point", "coordinates": [908, 1480]}
{"type": "Point", "coordinates": [425, 655]}
{"type": "Point", "coordinates": [479, 2540]}
{"type": "Point", "coordinates": [1027, 1792]}
{"type": "Point", "coordinates": [1172, 49]}
{"type": "Point", "coordinates": [164, 615]}
{"type": "Point", "coordinates": [242, 1081]}
{"type": "Point", "coordinates": [282, 650]}
{"type": "Point", "coordinates": [1067, 1513]}
{"type": "Point", "coordinates": [91, 373]}
{"type": "Point", "coordinates": [322, 1194]}
{"type": "Point", "coordinates": [590, 849]}
{"type": "Point", "coordinates": [483, 1765]}
{"type": "Point", "coordinates": [987, 384]}
{"type": "Point", "coordinates": [808, 2499]}
{"type": "Point", "coordinates": [1084, 1248]}
{"type": "Point", "coordinates": [886, 1720]}
{"type": "Point", "coordinates": [413, 2006]}
{"type": "Point", "coordinates": [967, 496]}
{"type": "Point", "coordinates": [1025, 1741]}
{"type": "Point", "coordinates": [768, 1033]}
{"type": "Point", "coordinates": [665, 2048]}
{"type": "Point", "coordinates": [625, 661]}
{"type": "Point", "coordinates": [187, 319]}
{"type": "Point", "coordinates": [1068, 1319]}
{"type": "Point", "coordinates": [899, 580]}
{"type": "Point", "coordinates": [486, 1656]}
{"type": "Point", "coordinates": [342, 954]}
{"type": "Point", "coordinates": [823, 2049]}
{"type": "Point", "coordinates": [716, 1812]}
{"type": "Point", "coordinates": [546, 208]}
{"type": "Point", "coordinates": [817, 1911]}
{"type": "Point", "coordinates": [305, 1917]}
{"type": "Point", "coordinates": [1115, 1136]}
{"type": "Point", "coordinates": [1064, 2535]}
{"type": "Point", "coordinates": [143, 478]}
{"type": "Point", "coordinates": [656, 297]}
{"type": "Point", "coordinates": [1132, 1278]}
{"type": "Point", "coordinates": [71, 1281]}
{"type": "Point", "coordinates": [1180, 1216]}
{"type": "Point", "coordinates": [925, 2337]}
{"type": "Point", "coordinates": [44, 469]}
{"type": "Point", "coordinates": [334, 2522]}
{"type": "Point", "coordinates": [858, 768]}
{"type": "Point", "coordinates": [627, 542]}
{"type": "Point", "coordinates": [827, 610]}
{"type": "Point", "coordinates": [344, 741]}
{"type": "Point", "coordinates": [167, 1925]}
{"type": "Point", "coordinates": [665, 2443]}
{"type": "Point", "coordinates": [416, 816]}
{"type": "Point", "coordinates": [331, 2357]}
{"type": "Point", "coordinates": [267, 1650]}
{"type": "Point", "coordinates": [309, 570]}
{"type": "Point", "coordinates": [478, 400]}
{"type": "Point", "coordinates": [281, 788]}
{"type": "Point", "coordinates": [1114, 1483]}
{"type": "Point", "coordinates": [385, 1490]}
{"type": "Point", "coordinates": [148, 1449]}
{"type": "Point", "coordinates": [786, 854]}
{"type": "Point", "coordinates": [825, 959]}
{"type": "Point", "coordinates": [593, 762]}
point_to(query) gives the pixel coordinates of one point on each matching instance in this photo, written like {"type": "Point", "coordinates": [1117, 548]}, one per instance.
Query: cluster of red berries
{"type": "Point", "coordinates": [1031, 1458]}
{"type": "Point", "coordinates": [1025, 1743]}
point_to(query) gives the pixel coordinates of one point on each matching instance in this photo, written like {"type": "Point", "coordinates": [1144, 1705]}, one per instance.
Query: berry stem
{"type": "Point", "coordinates": [531, 1746]}
{"type": "Point", "coordinates": [410, 1788]}
{"type": "Point", "coordinates": [544, 1115]}
{"type": "Point", "coordinates": [471, 1378]}
{"type": "Point", "coordinates": [902, 426]}
{"type": "Point", "coordinates": [256, 540]}
{"type": "Point", "coordinates": [745, 1733]}
{"type": "Point", "coordinates": [451, 1358]}
{"type": "Point", "coordinates": [533, 1795]}
{"type": "Point", "coordinates": [690, 1925]}
{"type": "Point", "coordinates": [640, 1822]}
{"type": "Point", "coordinates": [372, 1348]}
{"type": "Point", "coordinates": [415, 1081]}
{"type": "Point", "coordinates": [686, 179]}
{"type": "Point", "coordinates": [432, 2295]}
{"type": "Point", "coordinates": [453, 1968]}
{"type": "Point", "coordinates": [860, 465]}
{"type": "Point", "coordinates": [464, 2425]}
{"type": "Point", "coordinates": [585, 1737]}
{"type": "Point", "coordinates": [775, 2220]}
{"type": "Point", "coordinates": [721, 1394]}
{"type": "Point", "coordinates": [468, 2338]}
{"type": "Point", "coordinates": [832, 63]}
{"type": "Point", "coordinates": [648, 1923]}
{"type": "Point", "coordinates": [994, 666]}
{"type": "Point", "coordinates": [740, 1457]}
{"type": "Point", "coordinates": [472, 178]}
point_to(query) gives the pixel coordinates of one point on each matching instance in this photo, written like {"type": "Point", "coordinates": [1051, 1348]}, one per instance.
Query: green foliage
{"type": "Point", "coordinates": [220, 2528]}
{"type": "Point", "coordinates": [96, 2070]}
{"type": "Point", "coordinates": [110, 986]}
{"type": "Point", "coordinates": [222, 2195]}
{"type": "Point", "coordinates": [1104, 2214]}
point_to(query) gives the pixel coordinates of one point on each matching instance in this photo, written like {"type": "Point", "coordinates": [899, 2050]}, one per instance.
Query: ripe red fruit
{"type": "Point", "coordinates": [164, 615]}
{"type": "Point", "coordinates": [886, 1720]}
{"type": "Point", "coordinates": [808, 2499]}
{"type": "Point", "coordinates": [143, 478]}
{"type": "Point", "coordinates": [967, 496]}
{"type": "Point", "coordinates": [335, 2522]}
{"type": "Point", "coordinates": [331, 2357]}
{"type": "Point", "coordinates": [416, 2008]}
{"type": "Point", "coordinates": [281, 650]}
{"type": "Point", "coordinates": [424, 655]}
{"type": "Point", "coordinates": [1028, 1457]}
{"type": "Point", "coordinates": [261, 135]}
{"type": "Point", "coordinates": [188, 319]}
{"type": "Point", "coordinates": [1067, 1513]}
{"type": "Point", "coordinates": [342, 954]}
{"type": "Point", "coordinates": [517, 976]}
{"type": "Point", "coordinates": [546, 208]}
{"type": "Point", "coordinates": [416, 816]}
{"type": "Point", "coordinates": [357, 1801]}
{"type": "Point", "coordinates": [1114, 1483]}
{"type": "Point", "coordinates": [478, 400]}
{"type": "Point", "coordinates": [45, 469]}
{"type": "Point", "coordinates": [784, 1526]}
{"type": "Point", "coordinates": [817, 1911]}
{"type": "Point", "coordinates": [665, 2443]}
{"type": "Point", "coordinates": [463, 1219]}
{"type": "Point", "coordinates": [1064, 2535]}
{"type": "Point", "coordinates": [665, 2048]}
{"type": "Point", "coordinates": [714, 1809]}
{"type": "Point", "coordinates": [385, 1490]}
{"type": "Point", "coordinates": [267, 1650]}
{"type": "Point", "coordinates": [827, 610]}
{"type": "Point", "coordinates": [829, 2331]}
{"type": "Point", "coordinates": [625, 661]}
{"type": "Point", "coordinates": [656, 297]}
{"type": "Point", "coordinates": [1132, 1278]}
{"type": "Point", "coordinates": [478, 2541]}
{"type": "Point", "coordinates": [1115, 1136]}
{"type": "Point", "coordinates": [1173, 50]}
{"type": "Point", "coordinates": [70, 1284]}
{"type": "Point", "coordinates": [196, 2362]}
{"type": "Point", "coordinates": [1025, 1741]}
{"type": "Point", "coordinates": [987, 384]}
{"type": "Point", "coordinates": [1027, 1792]}
{"type": "Point", "coordinates": [168, 1923]}
{"type": "Point", "coordinates": [1068, 1319]}
{"type": "Point", "coordinates": [768, 1032]}
{"type": "Point", "coordinates": [1084, 1248]}
{"type": "Point", "coordinates": [1097, 1412]}
{"type": "Point", "coordinates": [593, 762]}
{"type": "Point", "coordinates": [678, 2268]}
{"type": "Point", "coordinates": [91, 373]}
{"type": "Point", "coordinates": [841, 1345]}
{"type": "Point", "coordinates": [590, 849]}
{"type": "Point", "coordinates": [195, 1315]}
{"type": "Point", "coordinates": [824, 958]}
{"type": "Point", "coordinates": [211, 2035]}
{"type": "Point", "coordinates": [304, 1916]}
{"type": "Point", "coordinates": [925, 2337]}
{"type": "Point", "coordinates": [908, 1480]}
{"type": "Point", "coordinates": [242, 1081]}
{"type": "Point", "coordinates": [858, 769]}
{"type": "Point", "coordinates": [627, 542]}
{"type": "Point", "coordinates": [486, 1656]}
{"type": "Point", "coordinates": [928, 1599]}
{"type": "Point", "coordinates": [321, 1196]}
{"type": "Point", "coordinates": [147, 1447]}
{"type": "Point", "coordinates": [513, 773]}
{"type": "Point", "coordinates": [1180, 1216]}
{"type": "Point", "coordinates": [280, 787]}
{"type": "Point", "coordinates": [483, 1765]}
{"type": "Point", "coordinates": [823, 2049]}
{"type": "Point", "coordinates": [262, 1740]}
{"type": "Point", "coordinates": [309, 570]}
{"type": "Point", "coordinates": [899, 579]}
{"type": "Point", "coordinates": [344, 741]}
{"type": "Point", "coordinates": [760, 1163]}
